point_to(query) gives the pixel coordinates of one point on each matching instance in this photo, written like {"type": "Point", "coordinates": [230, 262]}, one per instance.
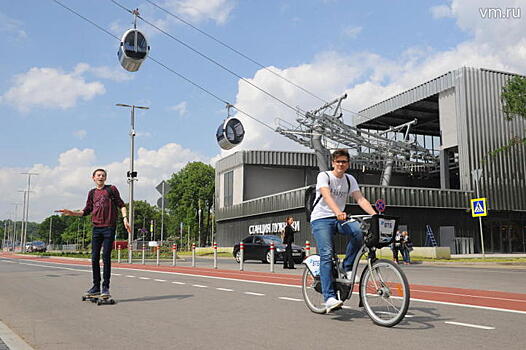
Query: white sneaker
{"type": "Point", "coordinates": [332, 303]}
{"type": "Point", "coordinates": [348, 275]}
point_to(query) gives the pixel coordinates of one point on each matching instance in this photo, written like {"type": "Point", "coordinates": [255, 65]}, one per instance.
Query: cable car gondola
{"type": "Point", "coordinates": [230, 133]}
{"type": "Point", "coordinates": [133, 48]}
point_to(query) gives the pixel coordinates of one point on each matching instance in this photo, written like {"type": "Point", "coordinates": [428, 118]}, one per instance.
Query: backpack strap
{"type": "Point", "coordinates": [320, 197]}
{"type": "Point", "coordinates": [348, 184]}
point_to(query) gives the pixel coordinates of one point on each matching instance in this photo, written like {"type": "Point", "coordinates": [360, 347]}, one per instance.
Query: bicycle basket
{"type": "Point", "coordinates": [381, 231]}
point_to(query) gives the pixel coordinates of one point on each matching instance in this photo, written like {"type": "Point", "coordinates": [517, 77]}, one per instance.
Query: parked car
{"type": "Point", "coordinates": [37, 246]}
{"type": "Point", "coordinates": [257, 247]}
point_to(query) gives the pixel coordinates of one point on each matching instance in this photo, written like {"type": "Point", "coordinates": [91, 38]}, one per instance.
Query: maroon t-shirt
{"type": "Point", "coordinates": [103, 211]}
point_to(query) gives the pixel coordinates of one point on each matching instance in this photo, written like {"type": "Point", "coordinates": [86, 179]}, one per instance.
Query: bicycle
{"type": "Point", "coordinates": [383, 287]}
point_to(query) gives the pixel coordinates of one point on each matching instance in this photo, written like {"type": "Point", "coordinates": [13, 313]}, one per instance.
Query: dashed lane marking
{"type": "Point", "coordinates": [116, 274]}
{"type": "Point", "coordinates": [130, 276]}
{"type": "Point", "coordinates": [176, 282]}
{"type": "Point", "coordinates": [225, 289]}
{"type": "Point", "coordinates": [253, 293]}
{"type": "Point", "coordinates": [158, 280]}
{"type": "Point", "coordinates": [144, 278]}
{"type": "Point", "coordinates": [199, 286]}
{"type": "Point", "coordinates": [291, 299]}
{"type": "Point", "coordinates": [469, 325]}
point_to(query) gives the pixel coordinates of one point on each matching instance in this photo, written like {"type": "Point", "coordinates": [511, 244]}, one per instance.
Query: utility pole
{"type": "Point", "coordinates": [5, 234]}
{"type": "Point", "coordinates": [14, 225]}
{"type": "Point", "coordinates": [49, 237]}
{"type": "Point", "coordinates": [477, 176]}
{"type": "Point", "coordinates": [132, 174]}
{"type": "Point", "coordinates": [25, 214]}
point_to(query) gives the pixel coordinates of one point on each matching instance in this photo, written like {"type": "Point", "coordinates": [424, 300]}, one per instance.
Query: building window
{"type": "Point", "coordinates": [229, 189]}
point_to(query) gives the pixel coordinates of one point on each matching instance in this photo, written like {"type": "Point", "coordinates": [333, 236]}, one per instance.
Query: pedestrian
{"type": "Point", "coordinates": [333, 188]}
{"type": "Point", "coordinates": [288, 239]}
{"type": "Point", "coordinates": [396, 246]}
{"type": "Point", "coordinates": [407, 247]}
{"type": "Point", "coordinates": [102, 204]}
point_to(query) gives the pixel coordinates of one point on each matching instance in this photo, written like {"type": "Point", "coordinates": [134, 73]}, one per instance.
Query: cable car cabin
{"type": "Point", "coordinates": [133, 50]}
{"type": "Point", "coordinates": [230, 133]}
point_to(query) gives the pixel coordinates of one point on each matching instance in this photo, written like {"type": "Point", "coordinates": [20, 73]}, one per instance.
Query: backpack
{"type": "Point", "coordinates": [311, 199]}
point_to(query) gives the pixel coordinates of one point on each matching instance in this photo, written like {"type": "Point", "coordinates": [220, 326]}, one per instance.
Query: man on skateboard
{"type": "Point", "coordinates": [102, 204]}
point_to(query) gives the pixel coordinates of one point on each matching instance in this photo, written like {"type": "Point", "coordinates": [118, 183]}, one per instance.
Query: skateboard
{"type": "Point", "coordinates": [99, 299]}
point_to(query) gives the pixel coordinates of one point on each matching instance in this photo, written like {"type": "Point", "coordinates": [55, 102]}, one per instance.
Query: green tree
{"type": "Point", "coordinates": [144, 213]}
{"type": "Point", "coordinates": [191, 189]}
{"type": "Point", "coordinates": [513, 98]}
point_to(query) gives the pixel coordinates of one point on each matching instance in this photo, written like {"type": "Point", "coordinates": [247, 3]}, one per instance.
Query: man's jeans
{"type": "Point", "coordinates": [102, 238]}
{"type": "Point", "coordinates": [324, 231]}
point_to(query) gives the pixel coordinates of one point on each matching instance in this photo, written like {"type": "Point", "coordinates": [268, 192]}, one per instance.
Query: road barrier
{"type": "Point", "coordinates": [241, 255]}
{"type": "Point", "coordinates": [307, 248]}
{"type": "Point", "coordinates": [174, 253]}
{"type": "Point", "coordinates": [119, 254]}
{"type": "Point", "coordinates": [215, 255]}
{"type": "Point", "coordinates": [143, 249]}
{"type": "Point", "coordinates": [272, 257]}
{"type": "Point", "coordinates": [193, 254]}
{"type": "Point", "coordinates": [158, 252]}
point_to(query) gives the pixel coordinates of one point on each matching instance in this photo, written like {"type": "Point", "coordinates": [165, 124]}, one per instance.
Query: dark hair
{"type": "Point", "coordinates": [340, 152]}
{"type": "Point", "coordinates": [94, 172]}
{"type": "Point", "coordinates": [288, 217]}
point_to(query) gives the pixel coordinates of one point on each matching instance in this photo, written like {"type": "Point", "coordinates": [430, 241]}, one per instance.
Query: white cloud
{"type": "Point", "coordinates": [369, 78]}
{"type": "Point", "coordinates": [352, 32]}
{"type": "Point", "coordinates": [12, 27]}
{"type": "Point", "coordinates": [66, 184]}
{"type": "Point", "coordinates": [50, 88]}
{"type": "Point", "coordinates": [180, 108]}
{"type": "Point", "coordinates": [442, 11]}
{"type": "Point", "coordinates": [202, 10]}
{"type": "Point", "coordinates": [116, 74]}
{"type": "Point", "coordinates": [80, 134]}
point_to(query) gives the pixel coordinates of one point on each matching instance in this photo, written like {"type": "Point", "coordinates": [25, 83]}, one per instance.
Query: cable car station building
{"type": "Point", "coordinates": [457, 117]}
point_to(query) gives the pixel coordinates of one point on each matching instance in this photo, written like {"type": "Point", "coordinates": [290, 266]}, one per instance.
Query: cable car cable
{"type": "Point", "coordinates": [168, 68]}
{"type": "Point", "coordinates": [295, 109]}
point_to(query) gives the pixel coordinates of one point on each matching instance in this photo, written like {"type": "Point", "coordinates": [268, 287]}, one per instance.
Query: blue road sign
{"type": "Point", "coordinates": [478, 207]}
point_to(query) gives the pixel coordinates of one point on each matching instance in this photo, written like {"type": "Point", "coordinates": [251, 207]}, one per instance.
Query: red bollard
{"type": "Point", "coordinates": [193, 254]}
{"type": "Point", "coordinates": [241, 255]}
{"type": "Point", "coordinates": [307, 248]}
{"type": "Point", "coordinates": [272, 257]}
{"type": "Point", "coordinates": [174, 251]}
{"type": "Point", "coordinates": [215, 255]}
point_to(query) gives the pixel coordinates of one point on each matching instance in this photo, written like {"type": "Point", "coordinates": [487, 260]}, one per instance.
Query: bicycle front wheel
{"type": "Point", "coordinates": [385, 293]}
{"type": "Point", "coordinates": [311, 290]}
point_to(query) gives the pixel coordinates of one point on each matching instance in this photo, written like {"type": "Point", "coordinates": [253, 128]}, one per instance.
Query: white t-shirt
{"type": "Point", "coordinates": [339, 191]}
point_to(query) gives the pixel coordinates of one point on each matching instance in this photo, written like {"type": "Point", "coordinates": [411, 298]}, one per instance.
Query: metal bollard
{"type": "Point", "coordinates": [174, 250]}
{"type": "Point", "coordinates": [193, 254]}
{"type": "Point", "coordinates": [307, 248]}
{"type": "Point", "coordinates": [215, 255]}
{"type": "Point", "coordinates": [241, 255]}
{"type": "Point", "coordinates": [119, 253]}
{"type": "Point", "coordinates": [158, 254]}
{"type": "Point", "coordinates": [272, 257]}
{"type": "Point", "coordinates": [143, 253]}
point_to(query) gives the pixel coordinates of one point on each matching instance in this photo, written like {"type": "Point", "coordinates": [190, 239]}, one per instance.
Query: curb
{"type": "Point", "coordinates": [11, 339]}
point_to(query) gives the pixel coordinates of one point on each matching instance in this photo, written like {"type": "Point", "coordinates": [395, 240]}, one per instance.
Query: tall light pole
{"type": "Point", "coordinates": [50, 223]}
{"type": "Point", "coordinates": [132, 174]}
{"type": "Point", "coordinates": [25, 214]}
{"type": "Point", "coordinates": [14, 225]}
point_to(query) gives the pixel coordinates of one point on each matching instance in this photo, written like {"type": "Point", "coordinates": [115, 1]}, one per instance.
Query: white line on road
{"type": "Point", "coordinates": [252, 293]}
{"type": "Point", "coordinates": [469, 325]}
{"type": "Point", "coordinates": [199, 286]}
{"type": "Point", "coordinates": [225, 289]}
{"type": "Point", "coordinates": [116, 274]}
{"type": "Point", "coordinates": [158, 280]}
{"type": "Point", "coordinates": [291, 299]}
{"type": "Point", "coordinates": [130, 276]}
{"type": "Point", "coordinates": [175, 282]}
{"type": "Point", "coordinates": [144, 278]}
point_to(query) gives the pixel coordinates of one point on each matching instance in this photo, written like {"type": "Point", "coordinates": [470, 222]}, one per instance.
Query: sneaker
{"type": "Point", "coordinates": [95, 290]}
{"type": "Point", "coordinates": [105, 291]}
{"type": "Point", "coordinates": [348, 275]}
{"type": "Point", "coordinates": [332, 303]}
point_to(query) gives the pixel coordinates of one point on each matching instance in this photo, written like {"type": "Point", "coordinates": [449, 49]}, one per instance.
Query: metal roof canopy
{"type": "Point", "coordinates": [425, 111]}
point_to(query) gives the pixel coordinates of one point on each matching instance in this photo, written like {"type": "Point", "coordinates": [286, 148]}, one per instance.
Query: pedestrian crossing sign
{"type": "Point", "coordinates": [478, 207]}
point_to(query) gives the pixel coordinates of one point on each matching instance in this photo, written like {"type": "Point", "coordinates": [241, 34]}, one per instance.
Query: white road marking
{"type": "Point", "coordinates": [469, 306]}
{"type": "Point", "coordinates": [158, 280]}
{"type": "Point", "coordinates": [392, 313]}
{"type": "Point", "coordinates": [130, 276]}
{"type": "Point", "coordinates": [291, 299]}
{"type": "Point", "coordinates": [225, 289]}
{"type": "Point", "coordinates": [144, 278]}
{"type": "Point", "coordinates": [116, 274]}
{"type": "Point", "coordinates": [469, 325]}
{"type": "Point", "coordinates": [252, 293]}
{"type": "Point", "coordinates": [199, 286]}
{"type": "Point", "coordinates": [176, 282]}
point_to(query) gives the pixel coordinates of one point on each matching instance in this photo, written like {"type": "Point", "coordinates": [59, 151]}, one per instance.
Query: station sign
{"type": "Point", "coordinates": [270, 228]}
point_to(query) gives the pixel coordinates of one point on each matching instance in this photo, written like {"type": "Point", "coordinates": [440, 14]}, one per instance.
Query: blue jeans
{"type": "Point", "coordinates": [102, 238]}
{"type": "Point", "coordinates": [323, 231]}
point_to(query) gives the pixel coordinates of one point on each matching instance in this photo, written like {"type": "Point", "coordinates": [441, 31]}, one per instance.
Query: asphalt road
{"type": "Point", "coordinates": [41, 302]}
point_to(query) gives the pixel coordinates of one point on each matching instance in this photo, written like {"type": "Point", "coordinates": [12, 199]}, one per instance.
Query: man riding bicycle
{"type": "Point", "coordinates": [328, 216]}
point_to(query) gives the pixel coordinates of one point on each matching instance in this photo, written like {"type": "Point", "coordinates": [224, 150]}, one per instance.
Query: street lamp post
{"type": "Point", "coordinates": [49, 237]}
{"type": "Point", "coordinates": [132, 174]}
{"type": "Point", "coordinates": [25, 214]}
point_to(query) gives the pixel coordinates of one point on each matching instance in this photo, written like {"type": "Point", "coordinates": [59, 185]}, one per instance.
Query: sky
{"type": "Point", "coordinates": [60, 79]}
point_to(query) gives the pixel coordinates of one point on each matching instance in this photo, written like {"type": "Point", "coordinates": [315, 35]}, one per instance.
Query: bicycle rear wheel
{"type": "Point", "coordinates": [385, 293]}
{"type": "Point", "coordinates": [311, 290]}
